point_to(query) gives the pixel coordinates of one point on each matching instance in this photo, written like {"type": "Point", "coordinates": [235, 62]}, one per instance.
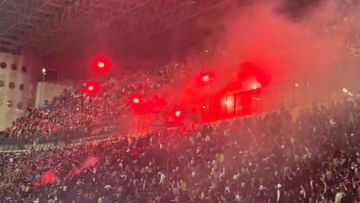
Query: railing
{"type": "Point", "coordinates": [81, 134]}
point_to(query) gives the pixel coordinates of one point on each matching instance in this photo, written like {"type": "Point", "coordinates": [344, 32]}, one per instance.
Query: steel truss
{"type": "Point", "coordinates": [45, 23]}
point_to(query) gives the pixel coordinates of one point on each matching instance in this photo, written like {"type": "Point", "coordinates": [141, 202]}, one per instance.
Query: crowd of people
{"type": "Point", "coordinates": [71, 109]}
{"type": "Point", "coordinates": [76, 109]}
{"type": "Point", "coordinates": [308, 155]}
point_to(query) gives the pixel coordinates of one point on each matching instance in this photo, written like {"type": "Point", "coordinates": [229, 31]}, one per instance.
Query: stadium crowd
{"type": "Point", "coordinates": [311, 155]}
{"type": "Point", "coordinates": [307, 155]}
{"type": "Point", "coordinates": [76, 109]}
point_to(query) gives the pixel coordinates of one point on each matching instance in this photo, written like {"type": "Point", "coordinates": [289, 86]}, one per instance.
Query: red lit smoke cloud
{"type": "Point", "coordinates": [284, 48]}
{"type": "Point", "coordinates": [48, 177]}
{"type": "Point", "coordinates": [319, 48]}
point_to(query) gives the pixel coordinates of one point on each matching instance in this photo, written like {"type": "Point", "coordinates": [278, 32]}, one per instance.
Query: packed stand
{"type": "Point", "coordinates": [307, 156]}
{"type": "Point", "coordinates": [76, 110]}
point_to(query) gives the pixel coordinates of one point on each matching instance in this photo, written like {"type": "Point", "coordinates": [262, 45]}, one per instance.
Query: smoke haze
{"type": "Point", "coordinates": [313, 43]}
{"type": "Point", "coordinates": [305, 42]}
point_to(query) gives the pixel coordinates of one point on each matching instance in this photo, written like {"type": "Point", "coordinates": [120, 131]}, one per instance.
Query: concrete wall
{"type": "Point", "coordinates": [17, 88]}
{"type": "Point", "coordinates": [45, 92]}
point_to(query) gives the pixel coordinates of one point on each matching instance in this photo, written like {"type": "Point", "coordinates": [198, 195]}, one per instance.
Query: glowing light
{"type": "Point", "coordinates": [205, 78]}
{"type": "Point", "coordinates": [91, 88]}
{"type": "Point", "coordinates": [48, 177]}
{"type": "Point", "coordinates": [203, 106]}
{"type": "Point", "coordinates": [228, 102]}
{"type": "Point", "coordinates": [178, 113]}
{"type": "Point", "coordinates": [296, 84]}
{"type": "Point", "coordinates": [43, 71]}
{"type": "Point", "coordinates": [136, 100]}
{"type": "Point", "coordinates": [255, 85]}
{"type": "Point", "coordinates": [346, 91]}
{"type": "Point", "coordinates": [101, 64]}
{"type": "Point", "coordinates": [90, 162]}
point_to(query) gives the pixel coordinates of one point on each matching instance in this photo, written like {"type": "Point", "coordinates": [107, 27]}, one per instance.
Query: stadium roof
{"type": "Point", "coordinates": [50, 25]}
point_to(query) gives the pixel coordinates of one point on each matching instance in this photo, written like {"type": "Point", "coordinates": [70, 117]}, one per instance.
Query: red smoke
{"type": "Point", "coordinates": [89, 163]}
{"type": "Point", "coordinates": [48, 177]}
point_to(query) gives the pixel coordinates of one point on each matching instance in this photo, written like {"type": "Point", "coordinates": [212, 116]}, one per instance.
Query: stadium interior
{"type": "Point", "coordinates": [199, 101]}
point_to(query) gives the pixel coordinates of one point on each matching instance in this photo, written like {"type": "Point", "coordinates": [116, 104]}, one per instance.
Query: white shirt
{"type": "Point", "coordinates": [338, 197]}
{"type": "Point", "coordinates": [162, 178]}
